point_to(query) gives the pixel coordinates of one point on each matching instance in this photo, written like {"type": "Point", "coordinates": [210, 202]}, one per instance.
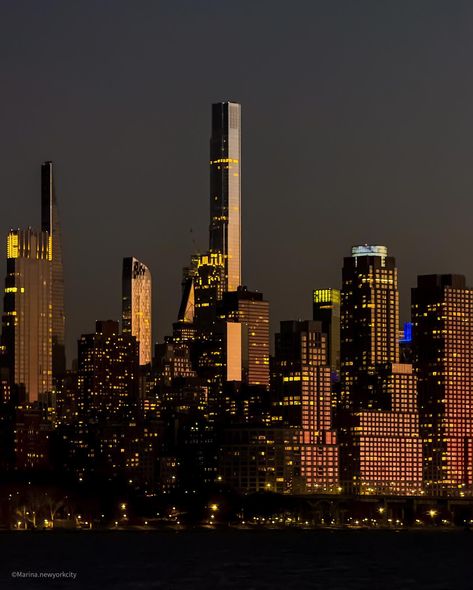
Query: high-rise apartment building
{"type": "Point", "coordinates": [27, 316]}
{"type": "Point", "coordinates": [442, 318]}
{"type": "Point", "coordinates": [136, 306]}
{"type": "Point", "coordinates": [50, 224]}
{"type": "Point", "coordinates": [225, 190]}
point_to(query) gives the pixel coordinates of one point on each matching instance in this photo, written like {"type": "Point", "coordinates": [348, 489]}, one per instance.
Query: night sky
{"type": "Point", "coordinates": [357, 126]}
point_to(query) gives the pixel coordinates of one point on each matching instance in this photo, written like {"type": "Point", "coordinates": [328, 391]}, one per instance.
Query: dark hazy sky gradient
{"type": "Point", "coordinates": [357, 127]}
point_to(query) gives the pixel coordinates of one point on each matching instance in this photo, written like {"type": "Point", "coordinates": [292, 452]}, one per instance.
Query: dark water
{"type": "Point", "coordinates": [329, 560]}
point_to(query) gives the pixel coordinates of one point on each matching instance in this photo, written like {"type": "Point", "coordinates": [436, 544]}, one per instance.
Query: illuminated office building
{"type": "Point", "coordinates": [442, 317]}
{"type": "Point", "coordinates": [301, 387]}
{"type": "Point", "coordinates": [326, 309]}
{"type": "Point", "coordinates": [27, 315]}
{"type": "Point", "coordinates": [251, 311]}
{"type": "Point", "coordinates": [225, 190]}
{"type": "Point", "coordinates": [50, 224]}
{"type": "Point", "coordinates": [136, 306]}
{"type": "Point", "coordinates": [377, 417]}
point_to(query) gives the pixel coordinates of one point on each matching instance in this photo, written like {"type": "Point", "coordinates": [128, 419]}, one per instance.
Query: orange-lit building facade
{"type": "Point", "coordinates": [301, 387]}
{"type": "Point", "coordinates": [442, 317]}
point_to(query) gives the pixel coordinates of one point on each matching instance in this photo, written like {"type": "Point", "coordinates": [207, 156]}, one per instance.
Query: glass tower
{"type": "Point", "coordinates": [225, 189]}
{"type": "Point", "coordinates": [50, 224]}
{"type": "Point", "coordinates": [136, 305]}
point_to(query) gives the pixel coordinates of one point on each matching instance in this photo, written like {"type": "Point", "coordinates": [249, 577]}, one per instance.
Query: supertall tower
{"type": "Point", "coordinates": [136, 305]}
{"type": "Point", "coordinates": [225, 189]}
{"type": "Point", "coordinates": [50, 224]}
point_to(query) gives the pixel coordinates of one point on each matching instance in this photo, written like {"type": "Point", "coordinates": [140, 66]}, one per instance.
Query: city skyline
{"type": "Point", "coordinates": [373, 124]}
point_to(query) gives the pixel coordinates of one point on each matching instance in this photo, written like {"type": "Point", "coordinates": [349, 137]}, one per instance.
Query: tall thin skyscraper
{"type": "Point", "coordinates": [225, 189]}
{"type": "Point", "coordinates": [27, 315]}
{"type": "Point", "coordinates": [50, 224]}
{"type": "Point", "coordinates": [136, 305]}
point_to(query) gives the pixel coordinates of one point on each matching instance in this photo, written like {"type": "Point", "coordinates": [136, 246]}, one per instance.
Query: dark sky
{"type": "Point", "coordinates": [357, 127]}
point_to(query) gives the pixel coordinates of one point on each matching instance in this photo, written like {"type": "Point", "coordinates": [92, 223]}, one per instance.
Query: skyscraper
{"type": "Point", "coordinates": [50, 224]}
{"type": "Point", "coordinates": [442, 316]}
{"type": "Point", "coordinates": [370, 322]}
{"type": "Point", "coordinates": [225, 189]}
{"type": "Point", "coordinates": [27, 315]}
{"type": "Point", "coordinates": [377, 415]}
{"type": "Point", "coordinates": [136, 305]}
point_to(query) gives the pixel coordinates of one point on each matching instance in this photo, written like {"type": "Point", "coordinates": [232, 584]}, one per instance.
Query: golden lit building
{"type": "Point", "coordinates": [27, 315]}
{"type": "Point", "coordinates": [225, 189]}
{"type": "Point", "coordinates": [442, 317]}
{"type": "Point", "coordinates": [137, 305]}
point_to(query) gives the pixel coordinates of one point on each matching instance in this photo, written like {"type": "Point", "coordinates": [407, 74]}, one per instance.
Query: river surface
{"type": "Point", "coordinates": [292, 559]}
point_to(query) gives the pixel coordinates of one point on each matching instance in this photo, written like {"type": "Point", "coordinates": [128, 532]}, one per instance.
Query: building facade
{"type": "Point", "coordinates": [301, 387]}
{"type": "Point", "coordinates": [326, 309]}
{"type": "Point", "coordinates": [442, 318]}
{"type": "Point", "coordinates": [251, 311]}
{"type": "Point", "coordinates": [50, 224]}
{"type": "Point", "coordinates": [377, 416]}
{"type": "Point", "coordinates": [27, 316]}
{"type": "Point", "coordinates": [225, 189]}
{"type": "Point", "coordinates": [137, 305]}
